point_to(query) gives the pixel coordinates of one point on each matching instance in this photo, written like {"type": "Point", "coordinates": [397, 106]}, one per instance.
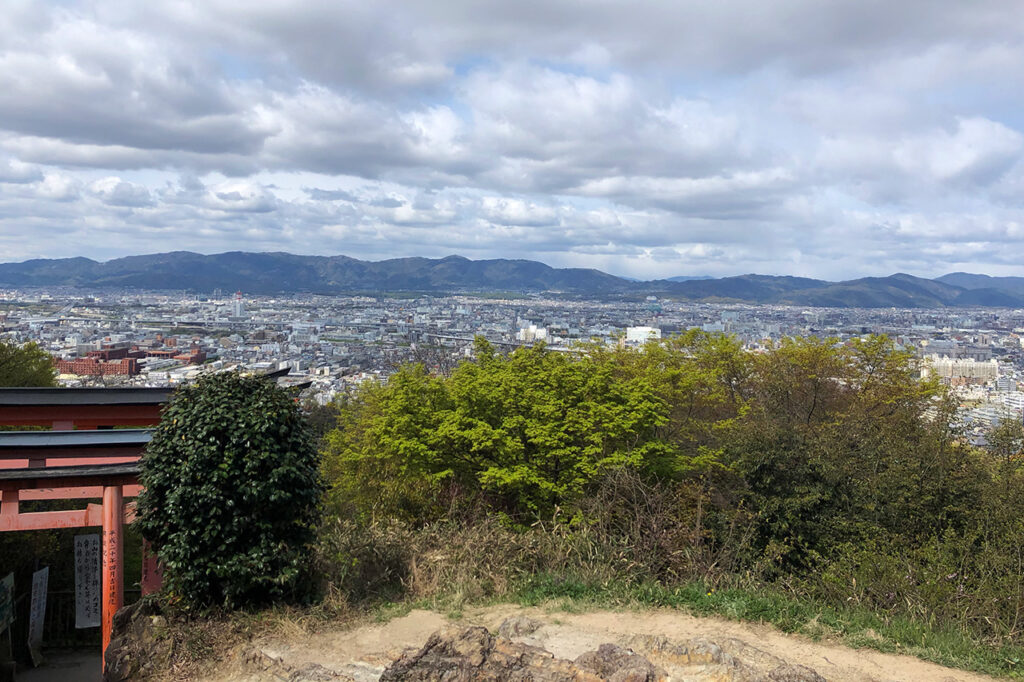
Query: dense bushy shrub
{"type": "Point", "coordinates": [232, 493]}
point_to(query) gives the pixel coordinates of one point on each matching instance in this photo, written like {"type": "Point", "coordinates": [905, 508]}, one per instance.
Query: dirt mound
{"type": "Point", "coordinates": [674, 645]}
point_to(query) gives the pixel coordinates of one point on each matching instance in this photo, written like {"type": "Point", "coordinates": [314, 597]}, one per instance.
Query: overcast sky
{"type": "Point", "coordinates": [645, 138]}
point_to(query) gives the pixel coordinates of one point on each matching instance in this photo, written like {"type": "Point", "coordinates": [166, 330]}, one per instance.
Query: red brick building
{"type": "Point", "coordinates": [194, 356]}
{"type": "Point", "coordinates": [96, 367]}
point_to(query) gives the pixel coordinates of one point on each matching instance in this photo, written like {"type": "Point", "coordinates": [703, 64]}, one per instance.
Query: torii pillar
{"type": "Point", "coordinates": [113, 561]}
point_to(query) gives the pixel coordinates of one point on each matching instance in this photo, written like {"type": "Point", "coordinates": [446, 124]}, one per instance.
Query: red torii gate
{"type": "Point", "coordinates": [62, 464]}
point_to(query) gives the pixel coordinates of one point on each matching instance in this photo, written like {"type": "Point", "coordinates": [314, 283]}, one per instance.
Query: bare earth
{"type": "Point", "coordinates": [362, 652]}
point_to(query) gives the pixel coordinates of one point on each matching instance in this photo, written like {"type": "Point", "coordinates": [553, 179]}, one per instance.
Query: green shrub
{"type": "Point", "coordinates": [27, 365]}
{"type": "Point", "coordinates": [232, 493]}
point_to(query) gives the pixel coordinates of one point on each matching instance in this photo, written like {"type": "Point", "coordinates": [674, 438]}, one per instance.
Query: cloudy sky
{"type": "Point", "coordinates": [645, 138]}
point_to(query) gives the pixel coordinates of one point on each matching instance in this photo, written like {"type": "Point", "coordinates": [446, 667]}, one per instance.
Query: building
{"type": "Point", "coordinates": [640, 335]}
{"type": "Point", "coordinates": [194, 356]}
{"type": "Point", "coordinates": [959, 368]}
{"type": "Point", "coordinates": [97, 367]}
{"type": "Point", "coordinates": [238, 305]}
{"type": "Point", "coordinates": [533, 333]}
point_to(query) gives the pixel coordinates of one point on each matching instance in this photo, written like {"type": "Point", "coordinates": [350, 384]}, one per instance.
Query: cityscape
{"type": "Point", "coordinates": [328, 345]}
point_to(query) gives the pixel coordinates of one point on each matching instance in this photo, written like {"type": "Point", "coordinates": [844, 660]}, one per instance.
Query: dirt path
{"type": "Point", "coordinates": [364, 651]}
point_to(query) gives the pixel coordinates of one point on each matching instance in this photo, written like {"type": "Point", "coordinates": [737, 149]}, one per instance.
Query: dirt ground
{"type": "Point", "coordinates": [65, 666]}
{"type": "Point", "coordinates": [362, 652]}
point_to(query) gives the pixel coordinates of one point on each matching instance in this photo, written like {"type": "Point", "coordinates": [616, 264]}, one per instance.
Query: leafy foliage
{"type": "Point", "coordinates": [830, 469]}
{"type": "Point", "coordinates": [530, 430]}
{"type": "Point", "coordinates": [232, 493]}
{"type": "Point", "coordinates": [27, 365]}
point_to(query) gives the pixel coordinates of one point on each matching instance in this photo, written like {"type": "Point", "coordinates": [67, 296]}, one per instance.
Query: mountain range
{"type": "Point", "coordinates": [270, 273]}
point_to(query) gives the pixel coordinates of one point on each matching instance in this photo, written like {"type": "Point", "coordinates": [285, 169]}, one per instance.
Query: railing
{"type": "Point", "coordinates": [59, 631]}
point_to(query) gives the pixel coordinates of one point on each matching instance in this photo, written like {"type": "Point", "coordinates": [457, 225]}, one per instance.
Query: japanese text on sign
{"type": "Point", "coordinates": [87, 581]}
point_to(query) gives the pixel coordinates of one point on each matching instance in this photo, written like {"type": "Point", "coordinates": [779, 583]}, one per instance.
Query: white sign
{"type": "Point", "coordinates": [37, 613]}
{"type": "Point", "coordinates": [87, 581]}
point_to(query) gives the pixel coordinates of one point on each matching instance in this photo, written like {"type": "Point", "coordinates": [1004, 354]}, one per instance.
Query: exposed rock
{"type": "Point", "coordinates": [139, 645]}
{"type": "Point", "coordinates": [615, 664]}
{"type": "Point", "coordinates": [143, 647]}
{"type": "Point", "coordinates": [271, 667]}
{"type": "Point", "coordinates": [473, 654]}
{"type": "Point", "coordinates": [729, 659]}
{"type": "Point", "coordinates": [519, 626]}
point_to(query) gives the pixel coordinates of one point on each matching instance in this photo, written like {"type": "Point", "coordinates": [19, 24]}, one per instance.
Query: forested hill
{"type": "Point", "coordinates": [269, 273]}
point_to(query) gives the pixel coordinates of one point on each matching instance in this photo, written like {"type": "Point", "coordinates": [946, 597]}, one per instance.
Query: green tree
{"type": "Point", "coordinates": [529, 430]}
{"type": "Point", "coordinates": [27, 365]}
{"type": "Point", "coordinates": [232, 492]}
{"type": "Point", "coordinates": [844, 442]}
{"type": "Point", "coordinates": [1006, 441]}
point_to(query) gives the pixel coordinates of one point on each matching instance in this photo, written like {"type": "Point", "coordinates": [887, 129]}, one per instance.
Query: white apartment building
{"type": "Point", "coordinates": [948, 368]}
{"type": "Point", "coordinates": [533, 333]}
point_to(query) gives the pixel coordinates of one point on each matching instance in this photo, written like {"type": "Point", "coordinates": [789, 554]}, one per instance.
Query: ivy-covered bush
{"type": "Point", "coordinates": [232, 493]}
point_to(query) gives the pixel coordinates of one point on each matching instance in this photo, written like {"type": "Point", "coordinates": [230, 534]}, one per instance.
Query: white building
{"type": "Point", "coordinates": [1014, 401]}
{"type": "Point", "coordinates": [640, 335]}
{"type": "Point", "coordinates": [238, 305]}
{"type": "Point", "coordinates": [533, 333]}
{"type": "Point", "coordinates": [948, 368]}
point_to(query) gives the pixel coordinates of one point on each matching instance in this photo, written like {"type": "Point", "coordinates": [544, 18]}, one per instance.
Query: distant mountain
{"type": "Point", "coordinates": [966, 280]}
{"type": "Point", "coordinates": [266, 273]}
{"type": "Point", "coordinates": [270, 273]}
{"type": "Point", "coordinates": [748, 288]}
{"type": "Point", "coordinates": [687, 278]}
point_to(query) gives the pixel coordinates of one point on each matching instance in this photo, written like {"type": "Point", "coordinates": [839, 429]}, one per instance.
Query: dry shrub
{"type": "Point", "coordinates": [470, 558]}
{"type": "Point", "coordinates": [629, 530]}
{"type": "Point", "coordinates": [478, 559]}
{"type": "Point", "coordinates": [365, 560]}
{"type": "Point", "coordinates": [665, 531]}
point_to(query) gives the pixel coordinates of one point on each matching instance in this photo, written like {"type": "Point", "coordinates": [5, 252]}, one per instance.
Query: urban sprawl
{"type": "Point", "coordinates": [329, 344]}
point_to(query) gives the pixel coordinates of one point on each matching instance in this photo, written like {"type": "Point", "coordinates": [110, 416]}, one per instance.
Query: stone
{"type": "Point", "coordinates": [271, 666]}
{"type": "Point", "coordinates": [729, 659]}
{"type": "Point", "coordinates": [615, 664]}
{"type": "Point", "coordinates": [138, 644]}
{"type": "Point", "coordinates": [519, 626]}
{"type": "Point", "coordinates": [472, 654]}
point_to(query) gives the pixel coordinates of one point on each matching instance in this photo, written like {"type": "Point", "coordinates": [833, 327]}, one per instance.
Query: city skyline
{"type": "Point", "coordinates": [829, 141]}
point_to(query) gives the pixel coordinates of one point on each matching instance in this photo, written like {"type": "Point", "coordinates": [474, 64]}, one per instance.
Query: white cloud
{"type": "Point", "coordinates": [830, 139]}
{"type": "Point", "coordinates": [977, 151]}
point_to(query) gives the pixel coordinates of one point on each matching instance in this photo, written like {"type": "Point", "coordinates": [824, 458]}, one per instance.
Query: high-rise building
{"type": "Point", "coordinates": [238, 305]}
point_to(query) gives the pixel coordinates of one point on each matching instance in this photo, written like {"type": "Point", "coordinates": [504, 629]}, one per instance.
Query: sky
{"type": "Point", "coordinates": [645, 138]}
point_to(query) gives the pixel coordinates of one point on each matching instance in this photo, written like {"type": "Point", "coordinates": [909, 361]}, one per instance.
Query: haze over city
{"type": "Point", "coordinates": [826, 140]}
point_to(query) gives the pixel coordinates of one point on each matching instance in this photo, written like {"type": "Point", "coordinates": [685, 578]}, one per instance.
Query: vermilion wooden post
{"type": "Point", "coordinates": [152, 575]}
{"type": "Point", "coordinates": [113, 567]}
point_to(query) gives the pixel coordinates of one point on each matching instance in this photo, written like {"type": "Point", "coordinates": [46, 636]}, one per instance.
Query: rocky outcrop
{"type": "Point", "coordinates": [615, 664]}
{"type": "Point", "coordinates": [139, 645]}
{"type": "Point", "coordinates": [143, 647]}
{"type": "Point", "coordinates": [730, 659]}
{"type": "Point", "coordinates": [473, 654]}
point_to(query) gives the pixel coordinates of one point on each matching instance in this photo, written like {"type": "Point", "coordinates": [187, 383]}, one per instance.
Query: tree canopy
{"type": "Point", "coordinates": [25, 366]}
